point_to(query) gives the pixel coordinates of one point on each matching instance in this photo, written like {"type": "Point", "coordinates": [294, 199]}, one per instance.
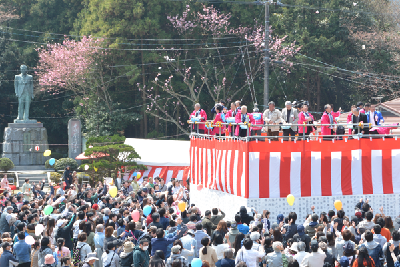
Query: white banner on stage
{"type": "Point", "coordinates": [206, 199]}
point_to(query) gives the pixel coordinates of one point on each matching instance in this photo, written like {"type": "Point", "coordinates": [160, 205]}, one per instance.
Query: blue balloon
{"type": "Point", "coordinates": [147, 210]}
{"type": "Point", "coordinates": [52, 161]}
{"type": "Point", "coordinates": [134, 174]}
{"type": "Point", "coordinates": [196, 262]}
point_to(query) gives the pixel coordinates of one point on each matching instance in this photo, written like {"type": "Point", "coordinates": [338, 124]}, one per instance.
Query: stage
{"type": "Point", "coordinates": [261, 174]}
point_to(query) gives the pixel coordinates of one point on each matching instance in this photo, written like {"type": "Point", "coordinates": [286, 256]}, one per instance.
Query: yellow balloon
{"type": "Point", "coordinates": [95, 169]}
{"type": "Point", "coordinates": [182, 206]}
{"type": "Point", "coordinates": [290, 199]}
{"type": "Point", "coordinates": [139, 175]}
{"type": "Point", "coordinates": [338, 205]}
{"type": "Point", "coordinates": [47, 153]}
{"type": "Point", "coordinates": [113, 191]}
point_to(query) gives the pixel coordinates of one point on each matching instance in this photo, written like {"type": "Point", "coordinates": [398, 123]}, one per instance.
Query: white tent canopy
{"type": "Point", "coordinates": [161, 152]}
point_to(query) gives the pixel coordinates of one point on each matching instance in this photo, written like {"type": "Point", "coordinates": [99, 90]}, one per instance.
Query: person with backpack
{"type": "Point", "coordinates": [110, 258]}
{"type": "Point", "coordinates": [44, 250]}
{"type": "Point", "coordinates": [81, 250]}
{"type": "Point", "coordinates": [126, 257]}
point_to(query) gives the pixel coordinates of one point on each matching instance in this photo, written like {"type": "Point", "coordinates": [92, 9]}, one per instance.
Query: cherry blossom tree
{"type": "Point", "coordinates": [79, 67]}
{"type": "Point", "coordinates": [210, 72]}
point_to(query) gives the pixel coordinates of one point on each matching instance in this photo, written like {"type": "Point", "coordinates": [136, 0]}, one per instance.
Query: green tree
{"type": "Point", "coordinates": [108, 155]}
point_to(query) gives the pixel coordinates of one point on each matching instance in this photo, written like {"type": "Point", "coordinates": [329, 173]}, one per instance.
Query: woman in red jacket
{"type": "Point", "coordinates": [307, 118]}
{"type": "Point", "coordinates": [219, 130]}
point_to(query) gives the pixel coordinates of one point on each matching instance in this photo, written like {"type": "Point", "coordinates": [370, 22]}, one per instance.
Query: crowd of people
{"type": "Point", "coordinates": [145, 225]}
{"type": "Point", "coordinates": [365, 119]}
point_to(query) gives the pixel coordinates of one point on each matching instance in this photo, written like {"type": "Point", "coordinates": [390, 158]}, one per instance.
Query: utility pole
{"type": "Point", "coordinates": [266, 57]}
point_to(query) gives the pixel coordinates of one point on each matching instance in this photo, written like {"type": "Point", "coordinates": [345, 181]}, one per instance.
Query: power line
{"type": "Point", "coordinates": [137, 39]}
{"type": "Point", "coordinates": [136, 49]}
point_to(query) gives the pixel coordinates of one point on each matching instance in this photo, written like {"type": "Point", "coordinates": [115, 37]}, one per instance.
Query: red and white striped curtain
{"type": "Point", "coordinates": [272, 170]}
{"type": "Point", "coordinates": [165, 172]}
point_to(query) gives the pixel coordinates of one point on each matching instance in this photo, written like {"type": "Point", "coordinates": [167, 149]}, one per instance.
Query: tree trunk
{"type": "Point", "coordinates": [308, 88]}
{"type": "Point", "coordinates": [178, 120]}
{"type": "Point", "coordinates": [156, 119]}
{"type": "Point", "coordinates": [144, 125]}
{"type": "Point", "coordinates": [318, 92]}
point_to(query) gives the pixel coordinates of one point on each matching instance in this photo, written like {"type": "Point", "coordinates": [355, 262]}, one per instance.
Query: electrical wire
{"type": "Point", "coordinates": [113, 38]}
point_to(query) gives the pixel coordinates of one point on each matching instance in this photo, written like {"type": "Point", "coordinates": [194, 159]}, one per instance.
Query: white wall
{"type": "Point", "coordinates": [208, 199]}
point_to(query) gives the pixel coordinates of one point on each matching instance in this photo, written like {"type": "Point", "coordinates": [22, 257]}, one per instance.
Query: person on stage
{"type": "Point", "coordinates": [308, 119]}
{"type": "Point", "coordinates": [199, 113]}
{"type": "Point", "coordinates": [272, 118]}
{"type": "Point", "coordinates": [243, 117]}
{"type": "Point", "coordinates": [218, 118]}
{"type": "Point", "coordinates": [258, 119]}
{"type": "Point", "coordinates": [356, 119]}
{"type": "Point", "coordinates": [290, 116]}
{"type": "Point", "coordinates": [327, 118]}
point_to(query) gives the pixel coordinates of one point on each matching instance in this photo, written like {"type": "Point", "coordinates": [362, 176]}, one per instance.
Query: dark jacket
{"type": "Point", "coordinates": [67, 175]}
{"type": "Point", "coordinates": [6, 257]}
{"type": "Point", "coordinates": [363, 118]}
{"type": "Point", "coordinates": [304, 238]}
{"type": "Point", "coordinates": [140, 258]}
{"type": "Point", "coordinates": [225, 263]}
{"type": "Point", "coordinates": [126, 259]}
{"type": "Point", "coordinates": [245, 218]}
{"type": "Point", "coordinates": [107, 240]}
{"type": "Point", "coordinates": [161, 244]}
{"type": "Point", "coordinates": [66, 231]}
{"type": "Point", "coordinates": [291, 230]}
{"type": "Point", "coordinates": [216, 218]}
{"type": "Point", "coordinates": [208, 225]}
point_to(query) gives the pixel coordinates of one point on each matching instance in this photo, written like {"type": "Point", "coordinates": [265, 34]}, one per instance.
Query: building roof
{"type": "Point", "coordinates": [393, 106]}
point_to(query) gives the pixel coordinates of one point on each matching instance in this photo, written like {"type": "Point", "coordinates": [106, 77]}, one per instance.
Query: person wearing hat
{"type": "Point", "coordinates": [315, 258]}
{"type": "Point", "coordinates": [176, 256]}
{"type": "Point", "coordinates": [126, 257]}
{"type": "Point", "coordinates": [289, 116]}
{"type": "Point", "coordinates": [233, 232]}
{"type": "Point", "coordinates": [344, 262]}
{"type": "Point", "coordinates": [90, 260]}
{"type": "Point", "coordinates": [7, 257]}
{"type": "Point", "coordinates": [49, 261]}
{"type": "Point", "coordinates": [188, 241]}
{"type": "Point", "coordinates": [301, 236]}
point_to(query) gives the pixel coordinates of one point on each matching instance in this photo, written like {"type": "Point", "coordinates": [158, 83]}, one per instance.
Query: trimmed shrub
{"type": "Point", "coordinates": [64, 162]}
{"type": "Point", "coordinates": [6, 164]}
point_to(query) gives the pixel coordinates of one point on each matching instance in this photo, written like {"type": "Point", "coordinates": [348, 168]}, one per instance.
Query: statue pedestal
{"type": "Point", "coordinates": [25, 142]}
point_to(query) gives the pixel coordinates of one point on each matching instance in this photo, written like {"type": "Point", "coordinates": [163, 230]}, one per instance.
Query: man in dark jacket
{"type": "Point", "coordinates": [66, 229]}
{"type": "Point", "coordinates": [141, 256]}
{"type": "Point", "coordinates": [312, 227]}
{"type": "Point", "coordinates": [291, 230]}
{"type": "Point", "coordinates": [244, 216]}
{"type": "Point", "coordinates": [215, 218]}
{"type": "Point", "coordinates": [301, 236]}
{"type": "Point", "coordinates": [7, 257]}
{"type": "Point", "coordinates": [160, 242]}
{"type": "Point", "coordinates": [207, 224]}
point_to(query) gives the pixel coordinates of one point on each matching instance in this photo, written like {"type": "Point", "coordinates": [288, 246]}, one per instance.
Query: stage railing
{"type": "Point", "coordinates": [209, 126]}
